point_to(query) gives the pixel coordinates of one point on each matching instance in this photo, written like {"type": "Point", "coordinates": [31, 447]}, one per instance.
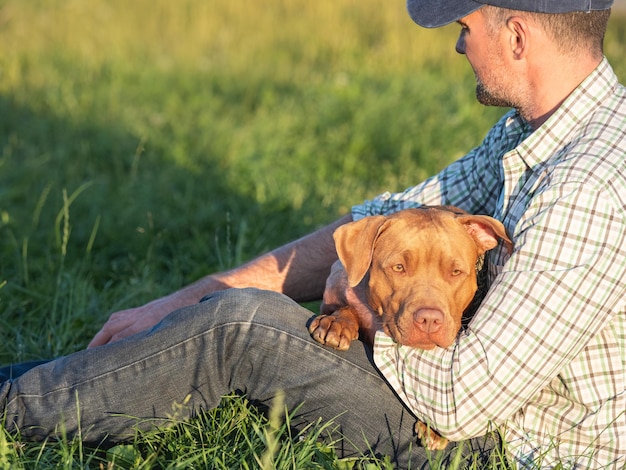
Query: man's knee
{"type": "Point", "coordinates": [241, 295]}
{"type": "Point", "coordinates": [254, 305]}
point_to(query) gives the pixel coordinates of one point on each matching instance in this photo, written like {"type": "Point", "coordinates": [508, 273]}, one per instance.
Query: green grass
{"type": "Point", "coordinates": [144, 144]}
{"type": "Point", "coordinates": [239, 436]}
{"type": "Point", "coordinates": [234, 435]}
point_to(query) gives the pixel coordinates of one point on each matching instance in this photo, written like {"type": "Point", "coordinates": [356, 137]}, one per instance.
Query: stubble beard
{"type": "Point", "coordinates": [487, 97]}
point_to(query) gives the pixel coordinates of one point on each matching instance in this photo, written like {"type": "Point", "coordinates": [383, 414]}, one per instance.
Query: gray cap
{"type": "Point", "coordinates": [434, 13]}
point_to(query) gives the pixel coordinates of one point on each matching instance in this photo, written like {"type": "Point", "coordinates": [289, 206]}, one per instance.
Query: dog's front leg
{"type": "Point", "coordinates": [336, 330]}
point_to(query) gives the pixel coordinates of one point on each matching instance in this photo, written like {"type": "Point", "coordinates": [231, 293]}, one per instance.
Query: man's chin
{"type": "Point", "coordinates": [486, 98]}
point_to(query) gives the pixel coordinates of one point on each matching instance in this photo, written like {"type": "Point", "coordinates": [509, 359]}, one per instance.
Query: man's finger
{"type": "Point", "coordinates": [101, 337]}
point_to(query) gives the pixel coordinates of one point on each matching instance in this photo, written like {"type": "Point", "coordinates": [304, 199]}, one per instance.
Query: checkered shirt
{"type": "Point", "coordinates": [544, 358]}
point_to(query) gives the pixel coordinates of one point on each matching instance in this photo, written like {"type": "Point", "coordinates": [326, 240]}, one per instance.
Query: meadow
{"type": "Point", "coordinates": [144, 144]}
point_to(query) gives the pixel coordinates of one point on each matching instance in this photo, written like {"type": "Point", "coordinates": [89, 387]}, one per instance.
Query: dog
{"type": "Point", "coordinates": [417, 269]}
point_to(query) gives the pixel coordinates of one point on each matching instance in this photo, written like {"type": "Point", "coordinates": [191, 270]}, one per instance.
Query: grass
{"type": "Point", "coordinates": [144, 144]}
{"type": "Point", "coordinates": [259, 441]}
{"type": "Point", "coordinates": [235, 435]}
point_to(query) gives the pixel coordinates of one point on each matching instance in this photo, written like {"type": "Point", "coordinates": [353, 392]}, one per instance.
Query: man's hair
{"type": "Point", "coordinates": [573, 32]}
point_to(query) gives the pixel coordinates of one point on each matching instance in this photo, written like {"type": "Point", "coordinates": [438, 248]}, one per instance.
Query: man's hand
{"type": "Point", "coordinates": [133, 320]}
{"type": "Point", "coordinates": [338, 294]}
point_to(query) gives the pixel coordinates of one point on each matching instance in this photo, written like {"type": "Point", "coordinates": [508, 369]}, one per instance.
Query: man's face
{"type": "Point", "coordinates": [484, 50]}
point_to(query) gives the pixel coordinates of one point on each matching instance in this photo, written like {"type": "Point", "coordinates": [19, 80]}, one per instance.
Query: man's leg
{"type": "Point", "coordinates": [15, 370]}
{"type": "Point", "coordinates": [247, 340]}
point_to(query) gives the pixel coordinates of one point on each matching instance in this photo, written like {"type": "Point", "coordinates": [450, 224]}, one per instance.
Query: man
{"type": "Point", "coordinates": [544, 357]}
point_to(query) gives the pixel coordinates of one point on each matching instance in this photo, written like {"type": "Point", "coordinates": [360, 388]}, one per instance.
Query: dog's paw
{"type": "Point", "coordinates": [336, 331]}
{"type": "Point", "coordinates": [430, 439]}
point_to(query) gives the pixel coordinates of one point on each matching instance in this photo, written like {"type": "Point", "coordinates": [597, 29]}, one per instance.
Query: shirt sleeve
{"type": "Point", "coordinates": [472, 183]}
{"type": "Point", "coordinates": [555, 293]}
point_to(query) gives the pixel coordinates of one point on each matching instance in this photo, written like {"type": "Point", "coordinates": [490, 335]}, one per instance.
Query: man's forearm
{"type": "Point", "coordinates": [298, 269]}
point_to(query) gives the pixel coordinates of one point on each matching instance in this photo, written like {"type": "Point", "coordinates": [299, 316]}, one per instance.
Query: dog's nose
{"type": "Point", "coordinates": [428, 320]}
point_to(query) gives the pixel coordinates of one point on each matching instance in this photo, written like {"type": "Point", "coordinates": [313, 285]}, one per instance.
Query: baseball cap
{"type": "Point", "coordinates": [435, 13]}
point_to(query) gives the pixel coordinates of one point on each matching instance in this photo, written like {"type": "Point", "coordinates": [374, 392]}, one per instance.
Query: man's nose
{"type": "Point", "coordinates": [460, 44]}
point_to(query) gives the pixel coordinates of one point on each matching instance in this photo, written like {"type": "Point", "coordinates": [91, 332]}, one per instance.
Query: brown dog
{"type": "Point", "coordinates": [418, 270]}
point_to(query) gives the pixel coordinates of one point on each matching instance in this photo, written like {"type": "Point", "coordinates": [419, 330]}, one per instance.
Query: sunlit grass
{"type": "Point", "coordinates": [146, 143]}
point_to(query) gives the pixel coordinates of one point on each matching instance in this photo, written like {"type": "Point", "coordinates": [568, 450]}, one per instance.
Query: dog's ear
{"type": "Point", "coordinates": [354, 243]}
{"type": "Point", "coordinates": [485, 231]}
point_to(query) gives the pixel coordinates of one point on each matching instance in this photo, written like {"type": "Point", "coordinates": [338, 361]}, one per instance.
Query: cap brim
{"type": "Point", "coordinates": [435, 13]}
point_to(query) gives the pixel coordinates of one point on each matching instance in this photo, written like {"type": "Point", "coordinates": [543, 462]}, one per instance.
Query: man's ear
{"type": "Point", "coordinates": [518, 30]}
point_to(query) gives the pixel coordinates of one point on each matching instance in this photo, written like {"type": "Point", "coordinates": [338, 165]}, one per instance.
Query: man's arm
{"type": "Point", "coordinates": [552, 299]}
{"type": "Point", "coordinates": [298, 270]}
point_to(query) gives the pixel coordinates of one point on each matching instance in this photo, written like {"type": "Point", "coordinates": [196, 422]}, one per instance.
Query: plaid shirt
{"type": "Point", "coordinates": [544, 357]}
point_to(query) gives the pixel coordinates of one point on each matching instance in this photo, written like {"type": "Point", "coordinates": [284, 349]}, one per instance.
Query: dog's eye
{"type": "Point", "coordinates": [398, 268]}
{"type": "Point", "coordinates": [457, 272]}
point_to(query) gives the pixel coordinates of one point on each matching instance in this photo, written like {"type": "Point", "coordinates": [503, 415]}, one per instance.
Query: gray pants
{"type": "Point", "coordinates": [243, 340]}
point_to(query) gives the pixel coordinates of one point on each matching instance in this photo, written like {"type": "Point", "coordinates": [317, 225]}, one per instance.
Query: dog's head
{"type": "Point", "coordinates": [419, 268]}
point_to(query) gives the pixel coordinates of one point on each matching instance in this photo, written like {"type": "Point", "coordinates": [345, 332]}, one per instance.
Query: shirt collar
{"type": "Point", "coordinates": [564, 124]}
